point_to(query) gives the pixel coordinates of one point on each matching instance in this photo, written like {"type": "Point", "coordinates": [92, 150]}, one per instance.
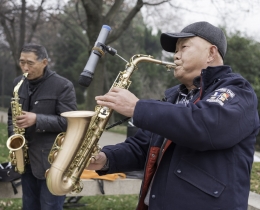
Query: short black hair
{"type": "Point", "coordinates": [37, 49]}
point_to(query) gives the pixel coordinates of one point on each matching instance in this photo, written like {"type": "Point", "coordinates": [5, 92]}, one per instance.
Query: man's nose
{"type": "Point", "coordinates": [176, 56]}
{"type": "Point", "coordinates": [26, 67]}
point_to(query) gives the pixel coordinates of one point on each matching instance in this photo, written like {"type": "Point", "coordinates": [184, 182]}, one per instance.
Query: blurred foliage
{"type": "Point", "coordinates": [68, 47]}
{"type": "Point", "coordinates": [243, 55]}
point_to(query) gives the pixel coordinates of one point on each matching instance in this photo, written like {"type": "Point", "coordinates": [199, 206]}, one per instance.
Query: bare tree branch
{"type": "Point", "coordinates": [113, 11]}
{"type": "Point", "coordinates": [80, 21]}
{"type": "Point", "coordinates": [8, 34]}
{"type": "Point", "coordinates": [16, 19]}
{"type": "Point", "coordinates": [91, 8]}
{"type": "Point", "coordinates": [22, 24]}
{"type": "Point", "coordinates": [156, 4]}
{"type": "Point", "coordinates": [77, 19]}
{"type": "Point", "coordinates": [72, 29]}
{"type": "Point", "coordinates": [125, 23]}
{"type": "Point", "coordinates": [35, 24]}
{"type": "Point", "coordinates": [93, 11]}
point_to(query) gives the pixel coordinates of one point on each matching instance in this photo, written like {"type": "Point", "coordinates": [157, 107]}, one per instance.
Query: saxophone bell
{"type": "Point", "coordinates": [60, 178]}
{"type": "Point", "coordinates": [17, 155]}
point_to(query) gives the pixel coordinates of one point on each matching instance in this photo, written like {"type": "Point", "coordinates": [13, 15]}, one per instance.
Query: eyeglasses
{"type": "Point", "coordinates": [29, 63]}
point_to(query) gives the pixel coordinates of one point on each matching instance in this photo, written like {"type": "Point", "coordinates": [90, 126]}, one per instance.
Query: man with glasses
{"type": "Point", "coordinates": [44, 95]}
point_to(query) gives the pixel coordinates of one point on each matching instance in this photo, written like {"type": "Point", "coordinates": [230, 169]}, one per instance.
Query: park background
{"type": "Point", "coordinates": [69, 29]}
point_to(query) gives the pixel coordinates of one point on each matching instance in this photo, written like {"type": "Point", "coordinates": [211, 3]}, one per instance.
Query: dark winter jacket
{"type": "Point", "coordinates": [207, 159]}
{"type": "Point", "coordinates": [48, 99]}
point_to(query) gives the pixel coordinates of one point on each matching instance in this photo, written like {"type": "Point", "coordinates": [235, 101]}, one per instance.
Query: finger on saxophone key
{"type": "Point", "coordinates": [93, 159]}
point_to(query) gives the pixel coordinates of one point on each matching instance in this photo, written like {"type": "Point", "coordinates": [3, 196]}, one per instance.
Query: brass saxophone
{"type": "Point", "coordinates": [16, 143]}
{"type": "Point", "coordinates": [72, 151]}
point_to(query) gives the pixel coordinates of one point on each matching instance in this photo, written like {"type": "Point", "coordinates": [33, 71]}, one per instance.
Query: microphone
{"type": "Point", "coordinates": [87, 74]}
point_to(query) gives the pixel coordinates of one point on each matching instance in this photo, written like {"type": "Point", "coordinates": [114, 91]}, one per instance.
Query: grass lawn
{"type": "Point", "coordinates": [3, 138]}
{"type": "Point", "coordinates": [255, 178]}
{"type": "Point", "coordinates": [100, 202]}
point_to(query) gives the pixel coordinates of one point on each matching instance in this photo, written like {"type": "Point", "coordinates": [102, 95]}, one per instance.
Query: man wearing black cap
{"type": "Point", "coordinates": [197, 146]}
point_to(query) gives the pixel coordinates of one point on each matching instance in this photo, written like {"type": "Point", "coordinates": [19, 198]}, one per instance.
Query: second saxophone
{"type": "Point", "coordinates": [16, 143]}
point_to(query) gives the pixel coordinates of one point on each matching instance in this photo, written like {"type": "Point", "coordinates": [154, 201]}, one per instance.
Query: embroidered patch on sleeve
{"type": "Point", "coordinates": [221, 96]}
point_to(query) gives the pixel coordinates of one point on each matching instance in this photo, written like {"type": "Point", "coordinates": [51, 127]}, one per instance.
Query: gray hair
{"type": "Point", "coordinates": [38, 50]}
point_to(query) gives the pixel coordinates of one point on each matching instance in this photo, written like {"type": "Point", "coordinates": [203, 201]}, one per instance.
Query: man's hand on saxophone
{"type": "Point", "coordinates": [120, 100]}
{"type": "Point", "coordinates": [26, 119]}
{"type": "Point", "coordinates": [97, 162]}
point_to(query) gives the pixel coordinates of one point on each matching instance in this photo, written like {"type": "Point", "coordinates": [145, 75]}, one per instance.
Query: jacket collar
{"type": "Point", "coordinates": [208, 76]}
{"type": "Point", "coordinates": [34, 84]}
{"type": "Point", "coordinates": [211, 75]}
{"type": "Point", "coordinates": [46, 73]}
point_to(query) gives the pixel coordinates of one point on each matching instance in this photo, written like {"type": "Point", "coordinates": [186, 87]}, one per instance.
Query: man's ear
{"type": "Point", "coordinates": [213, 51]}
{"type": "Point", "coordinates": [45, 61]}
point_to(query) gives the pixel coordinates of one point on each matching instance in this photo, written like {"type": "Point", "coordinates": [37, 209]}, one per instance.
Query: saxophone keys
{"type": "Point", "coordinates": [103, 113]}
{"type": "Point", "coordinates": [59, 139]}
{"type": "Point", "coordinates": [93, 157]}
{"type": "Point", "coordinates": [77, 187]}
{"type": "Point", "coordinates": [46, 172]}
{"type": "Point", "coordinates": [88, 162]}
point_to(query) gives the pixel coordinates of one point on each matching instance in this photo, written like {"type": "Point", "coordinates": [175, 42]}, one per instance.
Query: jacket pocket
{"type": "Point", "coordinates": [199, 178]}
{"type": "Point", "coordinates": [46, 106]}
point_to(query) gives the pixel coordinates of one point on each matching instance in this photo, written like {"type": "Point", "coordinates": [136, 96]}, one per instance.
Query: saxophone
{"type": "Point", "coordinates": [16, 143]}
{"type": "Point", "coordinates": [72, 151]}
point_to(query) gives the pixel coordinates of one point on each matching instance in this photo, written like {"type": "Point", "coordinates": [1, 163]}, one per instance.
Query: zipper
{"type": "Point", "coordinates": [200, 95]}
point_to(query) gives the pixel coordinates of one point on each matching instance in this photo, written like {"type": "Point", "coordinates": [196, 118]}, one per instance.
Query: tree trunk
{"type": "Point", "coordinates": [96, 87]}
{"type": "Point", "coordinates": [95, 20]}
{"type": "Point", "coordinates": [15, 24]}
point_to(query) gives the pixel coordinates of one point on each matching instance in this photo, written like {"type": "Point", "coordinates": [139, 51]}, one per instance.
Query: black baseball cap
{"type": "Point", "coordinates": [203, 29]}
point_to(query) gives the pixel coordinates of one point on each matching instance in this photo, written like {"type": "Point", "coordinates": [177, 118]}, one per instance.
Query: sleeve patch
{"type": "Point", "coordinates": [221, 96]}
